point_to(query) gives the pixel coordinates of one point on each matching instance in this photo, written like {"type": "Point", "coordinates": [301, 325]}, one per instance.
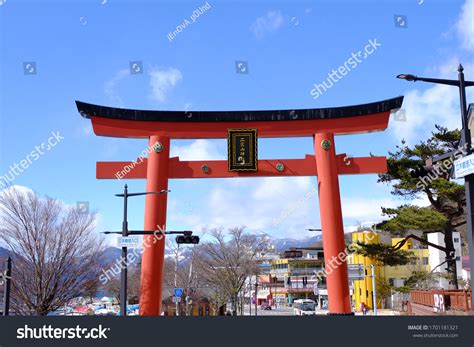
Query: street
{"type": "Point", "coordinates": [279, 311]}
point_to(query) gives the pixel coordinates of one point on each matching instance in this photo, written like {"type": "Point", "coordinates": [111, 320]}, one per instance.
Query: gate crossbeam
{"type": "Point", "coordinates": [218, 168]}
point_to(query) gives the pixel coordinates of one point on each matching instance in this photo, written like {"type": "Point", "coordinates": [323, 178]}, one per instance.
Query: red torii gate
{"type": "Point", "coordinates": [321, 124]}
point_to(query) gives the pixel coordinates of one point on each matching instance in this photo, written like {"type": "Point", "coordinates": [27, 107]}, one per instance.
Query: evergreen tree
{"type": "Point", "coordinates": [446, 212]}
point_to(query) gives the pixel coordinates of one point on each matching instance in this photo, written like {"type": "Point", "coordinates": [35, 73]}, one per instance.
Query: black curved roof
{"type": "Point", "coordinates": [88, 110]}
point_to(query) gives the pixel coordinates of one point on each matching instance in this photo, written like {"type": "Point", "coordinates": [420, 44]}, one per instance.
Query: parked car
{"type": "Point", "coordinates": [265, 306]}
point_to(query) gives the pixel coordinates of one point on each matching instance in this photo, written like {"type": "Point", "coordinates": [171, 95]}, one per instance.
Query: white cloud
{"type": "Point", "coordinates": [162, 82]}
{"type": "Point", "coordinates": [465, 25]}
{"type": "Point", "coordinates": [282, 207]}
{"type": "Point", "coordinates": [424, 109]}
{"type": "Point", "coordinates": [197, 150]}
{"type": "Point", "coordinates": [438, 104]}
{"type": "Point", "coordinates": [267, 24]}
{"type": "Point", "coordinates": [362, 209]}
{"type": "Point", "coordinates": [110, 87]}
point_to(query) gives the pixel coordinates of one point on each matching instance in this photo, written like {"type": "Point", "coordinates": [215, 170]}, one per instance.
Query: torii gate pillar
{"type": "Point", "coordinates": [331, 224]}
{"type": "Point", "coordinates": [155, 218]}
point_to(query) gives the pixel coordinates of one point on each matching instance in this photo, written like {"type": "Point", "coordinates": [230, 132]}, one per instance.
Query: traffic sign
{"type": "Point", "coordinates": [178, 292]}
{"type": "Point", "coordinates": [356, 272]}
{"type": "Point", "coordinates": [176, 299]}
{"type": "Point", "coordinates": [128, 241]}
{"type": "Point", "coordinates": [464, 166]}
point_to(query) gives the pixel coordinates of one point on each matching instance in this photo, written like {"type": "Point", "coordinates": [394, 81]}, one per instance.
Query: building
{"type": "Point", "coordinates": [394, 275]}
{"type": "Point", "coordinates": [295, 278]}
{"type": "Point", "coordinates": [362, 289]}
{"type": "Point", "coordinates": [438, 257]}
{"type": "Point", "coordinates": [397, 275]}
{"type": "Point", "coordinates": [201, 306]}
{"type": "Point", "coordinates": [466, 269]}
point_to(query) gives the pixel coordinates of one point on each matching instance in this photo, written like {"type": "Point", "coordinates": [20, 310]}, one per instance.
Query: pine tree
{"type": "Point", "coordinates": [446, 212]}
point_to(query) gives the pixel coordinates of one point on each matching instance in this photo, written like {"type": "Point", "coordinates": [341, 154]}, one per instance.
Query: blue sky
{"type": "Point", "coordinates": [83, 49]}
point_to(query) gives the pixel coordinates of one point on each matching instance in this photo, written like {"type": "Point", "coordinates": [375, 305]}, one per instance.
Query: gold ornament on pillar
{"type": "Point", "coordinates": [326, 144]}
{"type": "Point", "coordinates": [157, 147]}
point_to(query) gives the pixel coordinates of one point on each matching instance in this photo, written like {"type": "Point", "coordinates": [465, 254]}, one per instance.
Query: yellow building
{"type": "Point", "coordinates": [363, 288]}
{"type": "Point", "coordinates": [395, 275]}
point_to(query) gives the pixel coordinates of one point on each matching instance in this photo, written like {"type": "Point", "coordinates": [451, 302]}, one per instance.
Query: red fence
{"type": "Point", "coordinates": [438, 301]}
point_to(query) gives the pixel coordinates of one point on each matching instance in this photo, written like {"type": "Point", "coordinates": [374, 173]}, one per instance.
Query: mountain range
{"type": "Point", "coordinates": [112, 254]}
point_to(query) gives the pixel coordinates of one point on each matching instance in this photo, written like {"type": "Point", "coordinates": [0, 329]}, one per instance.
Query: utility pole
{"type": "Point", "coordinates": [374, 293]}
{"type": "Point", "coordinates": [256, 294]}
{"type": "Point", "coordinates": [249, 288]}
{"type": "Point", "coordinates": [176, 278]}
{"type": "Point", "coordinates": [187, 238]}
{"type": "Point", "coordinates": [123, 273]}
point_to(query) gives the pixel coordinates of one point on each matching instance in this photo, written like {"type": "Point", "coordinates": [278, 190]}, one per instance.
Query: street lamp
{"type": "Point", "coordinates": [125, 233]}
{"type": "Point", "coordinates": [187, 238]}
{"type": "Point", "coordinates": [466, 141]}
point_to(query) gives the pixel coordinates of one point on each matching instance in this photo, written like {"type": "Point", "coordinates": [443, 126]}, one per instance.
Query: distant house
{"type": "Point", "coordinates": [466, 269]}
{"type": "Point", "coordinates": [198, 306]}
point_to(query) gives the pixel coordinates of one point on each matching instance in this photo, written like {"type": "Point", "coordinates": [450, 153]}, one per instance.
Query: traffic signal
{"type": "Point", "coordinates": [292, 254]}
{"type": "Point", "coordinates": [421, 171]}
{"type": "Point", "coordinates": [187, 239]}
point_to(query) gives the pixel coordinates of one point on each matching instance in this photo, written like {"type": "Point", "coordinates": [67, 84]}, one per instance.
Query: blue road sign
{"type": "Point", "coordinates": [178, 292]}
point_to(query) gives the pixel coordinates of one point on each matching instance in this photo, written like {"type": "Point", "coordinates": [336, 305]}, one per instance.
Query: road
{"type": "Point", "coordinates": [280, 311]}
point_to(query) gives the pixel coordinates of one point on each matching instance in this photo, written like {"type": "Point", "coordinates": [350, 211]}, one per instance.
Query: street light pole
{"type": "Point", "coordinates": [249, 287]}
{"type": "Point", "coordinates": [256, 294]}
{"type": "Point", "coordinates": [125, 233]}
{"type": "Point", "coordinates": [466, 141]}
{"type": "Point", "coordinates": [176, 278]}
{"type": "Point", "coordinates": [123, 273]}
{"type": "Point", "coordinates": [374, 289]}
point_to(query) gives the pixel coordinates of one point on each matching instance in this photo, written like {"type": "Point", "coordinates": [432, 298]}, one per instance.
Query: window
{"type": "Point", "coordinates": [456, 239]}
{"type": "Point", "coordinates": [390, 281]}
{"type": "Point", "coordinates": [207, 310]}
{"type": "Point", "coordinates": [458, 258]}
{"type": "Point", "coordinates": [425, 261]}
{"type": "Point", "coordinates": [200, 311]}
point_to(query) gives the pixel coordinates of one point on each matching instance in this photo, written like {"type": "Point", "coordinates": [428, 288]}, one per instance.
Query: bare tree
{"type": "Point", "coordinates": [228, 259]}
{"type": "Point", "coordinates": [56, 251]}
{"type": "Point", "coordinates": [181, 271]}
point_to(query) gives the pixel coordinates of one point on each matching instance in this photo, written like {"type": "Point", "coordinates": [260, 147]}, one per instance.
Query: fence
{"type": "Point", "coordinates": [426, 302]}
